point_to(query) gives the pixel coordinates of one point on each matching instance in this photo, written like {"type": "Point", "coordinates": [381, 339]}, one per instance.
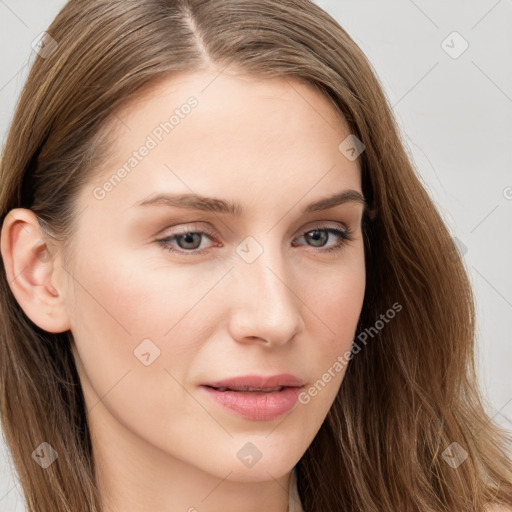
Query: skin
{"type": "Point", "coordinates": [160, 443]}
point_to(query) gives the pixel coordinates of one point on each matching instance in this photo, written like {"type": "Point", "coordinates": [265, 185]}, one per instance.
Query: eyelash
{"type": "Point", "coordinates": [344, 234]}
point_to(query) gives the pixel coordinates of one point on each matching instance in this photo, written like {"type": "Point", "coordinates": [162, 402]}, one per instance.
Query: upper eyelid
{"type": "Point", "coordinates": [322, 225]}
{"type": "Point", "coordinates": [189, 228]}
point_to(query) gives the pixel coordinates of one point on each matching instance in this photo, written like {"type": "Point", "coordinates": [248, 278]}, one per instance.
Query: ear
{"type": "Point", "coordinates": [31, 271]}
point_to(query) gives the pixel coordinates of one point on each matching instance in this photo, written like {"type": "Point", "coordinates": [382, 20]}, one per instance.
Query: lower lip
{"type": "Point", "coordinates": [256, 405]}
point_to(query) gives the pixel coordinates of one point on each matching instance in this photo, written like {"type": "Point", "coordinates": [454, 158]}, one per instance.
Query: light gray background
{"type": "Point", "coordinates": [455, 115]}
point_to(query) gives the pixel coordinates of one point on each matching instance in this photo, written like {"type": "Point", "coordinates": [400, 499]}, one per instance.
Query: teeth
{"type": "Point", "coordinates": [247, 388]}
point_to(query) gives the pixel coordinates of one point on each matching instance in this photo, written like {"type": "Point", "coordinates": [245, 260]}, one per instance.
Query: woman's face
{"type": "Point", "coordinates": [251, 292]}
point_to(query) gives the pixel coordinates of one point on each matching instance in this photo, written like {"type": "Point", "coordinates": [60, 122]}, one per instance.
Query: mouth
{"type": "Point", "coordinates": [260, 399]}
{"type": "Point", "coordinates": [248, 389]}
{"type": "Point", "coordinates": [257, 383]}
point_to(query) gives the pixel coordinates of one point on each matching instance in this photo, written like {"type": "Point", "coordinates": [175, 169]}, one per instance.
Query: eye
{"type": "Point", "coordinates": [189, 241]}
{"type": "Point", "coordinates": [320, 234]}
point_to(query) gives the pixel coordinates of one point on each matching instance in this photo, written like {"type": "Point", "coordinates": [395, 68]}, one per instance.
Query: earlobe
{"type": "Point", "coordinates": [30, 268]}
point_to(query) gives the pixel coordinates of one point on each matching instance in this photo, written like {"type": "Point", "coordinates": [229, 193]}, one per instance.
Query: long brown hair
{"type": "Point", "coordinates": [407, 395]}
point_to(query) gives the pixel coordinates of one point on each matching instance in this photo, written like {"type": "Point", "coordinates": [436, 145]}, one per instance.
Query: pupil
{"type": "Point", "coordinates": [187, 238]}
{"type": "Point", "coordinates": [323, 236]}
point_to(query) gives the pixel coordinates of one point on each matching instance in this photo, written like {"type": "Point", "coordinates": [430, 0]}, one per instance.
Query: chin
{"type": "Point", "coordinates": [258, 458]}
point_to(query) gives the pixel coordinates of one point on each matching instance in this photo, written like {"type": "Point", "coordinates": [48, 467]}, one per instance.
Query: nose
{"type": "Point", "coordinates": [265, 308]}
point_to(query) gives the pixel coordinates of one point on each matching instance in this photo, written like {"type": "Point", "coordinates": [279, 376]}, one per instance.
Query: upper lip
{"type": "Point", "coordinates": [258, 382]}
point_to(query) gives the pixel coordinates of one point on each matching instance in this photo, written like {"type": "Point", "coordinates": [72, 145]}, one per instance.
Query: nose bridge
{"type": "Point", "coordinates": [265, 304]}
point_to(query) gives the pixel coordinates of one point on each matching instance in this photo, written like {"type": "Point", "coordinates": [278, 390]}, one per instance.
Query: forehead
{"type": "Point", "coordinates": [209, 132]}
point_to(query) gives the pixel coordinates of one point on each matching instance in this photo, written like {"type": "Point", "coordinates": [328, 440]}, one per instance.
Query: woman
{"type": "Point", "coordinates": [224, 286]}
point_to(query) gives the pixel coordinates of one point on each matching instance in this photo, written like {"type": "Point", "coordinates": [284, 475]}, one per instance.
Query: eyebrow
{"type": "Point", "coordinates": [212, 204]}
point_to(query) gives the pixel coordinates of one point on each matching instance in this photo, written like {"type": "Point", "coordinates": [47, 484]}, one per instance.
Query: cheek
{"type": "Point", "coordinates": [126, 313]}
{"type": "Point", "coordinates": [129, 299]}
{"type": "Point", "coordinates": [136, 338]}
{"type": "Point", "coordinates": [335, 296]}
{"type": "Point", "coordinates": [334, 300]}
